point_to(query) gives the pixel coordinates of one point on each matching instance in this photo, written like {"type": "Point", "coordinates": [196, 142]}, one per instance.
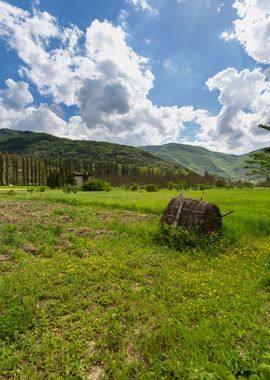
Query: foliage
{"type": "Point", "coordinates": [176, 186]}
{"type": "Point", "coordinates": [259, 162]}
{"type": "Point", "coordinates": [134, 187]}
{"type": "Point", "coordinates": [150, 188]}
{"type": "Point", "coordinates": [96, 185]}
{"type": "Point", "coordinates": [70, 189]}
{"type": "Point", "coordinates": [54, 180]}
{"type": "Point", "coordinates": [28, 143]}
{"type": "Point", "coordinates": [41, 189]}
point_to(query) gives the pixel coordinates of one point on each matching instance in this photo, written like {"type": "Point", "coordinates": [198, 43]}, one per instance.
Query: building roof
{"type": "Point", "coordinates": [80, 174]}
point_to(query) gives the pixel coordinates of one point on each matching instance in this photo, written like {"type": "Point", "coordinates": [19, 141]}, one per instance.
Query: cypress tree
{"type": "Point", "coordinates": [1, 169]}
{"type": "Point", "coordinates": [23, 172]}
{"type": "Point", "coordinates": [7, 169]}
{"type": "Point", "coordinates": [27, 171]}
{"type": "Point", "coordinates": [31, 170]}
{"type": "Point", "coordinates": [35, 169]}
{"type": "Point", "coordinates": [16, 167]}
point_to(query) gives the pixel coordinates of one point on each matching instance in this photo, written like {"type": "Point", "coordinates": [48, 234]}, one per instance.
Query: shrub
{"type": "Point", "coordinates": [176, 186]}
{"type": "Point", "coordinates": [171, 185]}
{"type": "Point", "coordinates": [41, 189]}
{"type": "Point", "coordinates": [70, 189]}
{"type": "Point", "coordinates": [30, 190]}
{"type": "Point", "coordinates": [134, 187]}
{"type": "Point", "coordinates": [96, 185]}
{"type": "Point", "coordinates": [151, 187]}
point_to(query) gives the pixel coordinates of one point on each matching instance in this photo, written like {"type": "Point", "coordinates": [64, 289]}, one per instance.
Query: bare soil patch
{"type": "Point", "coordinates": [30, 248]}
{"type": "Point", "coordinates": [95, 373]}
{"type": "Point", "coordinates": [4, 257]}
{"type": "Point", "coordinates": [20, 211]}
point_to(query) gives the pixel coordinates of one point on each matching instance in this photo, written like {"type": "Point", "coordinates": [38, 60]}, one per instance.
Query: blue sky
{"type": "Point", "coordinates": [139, 72]}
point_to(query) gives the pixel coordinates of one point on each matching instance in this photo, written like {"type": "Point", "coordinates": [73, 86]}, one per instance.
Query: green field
{"type": "Point", "coordinates": [91, 288]}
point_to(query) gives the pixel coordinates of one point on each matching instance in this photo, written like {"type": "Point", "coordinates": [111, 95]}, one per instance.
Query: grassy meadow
{"type": "Point", "coordinates": [91, 287]}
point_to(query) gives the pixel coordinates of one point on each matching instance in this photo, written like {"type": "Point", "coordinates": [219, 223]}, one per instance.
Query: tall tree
{"type": "Point", "coordinates": [23, 172]}
{"type": "Point", "coordinates": [7, 169]}
{"type": "Point", "coordinates": [259, 162]}
{"type": "Point", "coordinates": [1, 170]}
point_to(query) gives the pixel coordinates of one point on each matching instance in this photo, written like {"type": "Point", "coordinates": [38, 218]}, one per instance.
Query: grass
{"type": "Point", "coordinates": [91, 289]}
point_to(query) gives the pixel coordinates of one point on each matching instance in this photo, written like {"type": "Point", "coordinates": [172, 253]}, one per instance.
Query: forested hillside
{"type": "Point", "coordinates": [46, 145]}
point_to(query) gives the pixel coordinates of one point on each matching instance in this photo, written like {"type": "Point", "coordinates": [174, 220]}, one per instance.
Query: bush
{"type": "Point", "coordinates": [151, 187]}
{"type": "Point", "coordinates": [171, 185]}
{"type": "Point", "coordinates": [30, 190]}
{"type": "Point", "coordinates": [96, 185]}
{"type": "Point", "coordinates": [176, 186]}
{"type": "Point", "coordinates": [70, 189]}
{"type": "Point", "coordinates": [134, 187]}
{"type": "Point", "coordinates": [41, 189]}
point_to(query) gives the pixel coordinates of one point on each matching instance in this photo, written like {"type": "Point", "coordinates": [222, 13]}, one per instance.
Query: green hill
{"type": "Point", "coordinates": [55, 147]}
{"type": "Point", "coordinates": [195, 158]}
{"type": "Point", "coordinates": [200, 159]}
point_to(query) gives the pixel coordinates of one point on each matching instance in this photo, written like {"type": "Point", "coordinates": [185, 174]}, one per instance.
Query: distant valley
{"type": "Point", "coordinates": [200, 159]}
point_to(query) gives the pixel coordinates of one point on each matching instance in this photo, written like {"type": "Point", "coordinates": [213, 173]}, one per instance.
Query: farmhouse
{"type": "Point", "coordinates": [81, 177]}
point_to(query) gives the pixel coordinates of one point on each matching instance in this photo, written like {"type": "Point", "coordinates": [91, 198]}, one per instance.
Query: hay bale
{"type": "Point", "coordinates": [192, 214]}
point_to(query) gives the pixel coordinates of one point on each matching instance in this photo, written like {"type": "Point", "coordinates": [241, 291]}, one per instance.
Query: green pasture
{"type": "Point", "coordinates": [91, 288]}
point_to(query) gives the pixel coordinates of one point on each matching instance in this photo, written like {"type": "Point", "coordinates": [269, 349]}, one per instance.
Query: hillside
{"type": "Point", "coordinates": [55, 147]}
{"type": "Point", "coordinates": [200, 159]}
{"type": "Point", "coordinates": [195, 158]}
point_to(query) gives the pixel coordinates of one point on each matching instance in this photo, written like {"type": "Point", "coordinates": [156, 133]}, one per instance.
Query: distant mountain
{"type": "Point", "coordinates": [200, 159]}
{"type": "Point", "coordinates": [55, 147]}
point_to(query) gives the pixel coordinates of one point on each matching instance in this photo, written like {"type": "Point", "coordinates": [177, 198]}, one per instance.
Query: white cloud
{"type": "Point", "coordinates": [109, 83]}
{"type": "Point", "coordinates": [252, 28]}
{"type": "Point", "coordinates": [245, 103]}
{"type": "Point", "coordinates": [16, 96]}
{"type": "Point", "coordinates": [50, 69]}
{"type": "Point", "coordinates": [142, 5]}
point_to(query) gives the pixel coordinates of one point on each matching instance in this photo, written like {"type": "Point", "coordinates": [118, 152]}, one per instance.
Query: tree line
{"type": "Point", "coordinates": [32, 170]}
{"type": "Point", "coordinates": [28, 170]}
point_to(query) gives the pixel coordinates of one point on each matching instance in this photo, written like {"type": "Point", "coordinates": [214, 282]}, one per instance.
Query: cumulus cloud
{"type": "Point", "coordinates": [109, 83]}
{"type": "Point", "coordinates": [252, 28]}
{"type": "Point", "coordinates": [50, 69]}
{"type": "Point", "coordinates": [16, 95]}
{"type": "Point", "coordinates": [245, 103]}
{"type": "Point", "coordinates": [101, 75]}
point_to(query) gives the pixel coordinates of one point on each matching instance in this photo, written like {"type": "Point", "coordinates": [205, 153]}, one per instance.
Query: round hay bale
{"type": "Point", "coordinates": [192, 214]}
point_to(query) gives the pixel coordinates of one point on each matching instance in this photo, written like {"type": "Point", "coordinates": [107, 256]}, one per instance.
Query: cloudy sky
{"type": "Point", "coordinates": [138, 72]}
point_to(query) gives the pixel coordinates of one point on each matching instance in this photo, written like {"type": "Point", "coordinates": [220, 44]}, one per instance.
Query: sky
{"type": "Point", "coordinates": [138, 72]}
